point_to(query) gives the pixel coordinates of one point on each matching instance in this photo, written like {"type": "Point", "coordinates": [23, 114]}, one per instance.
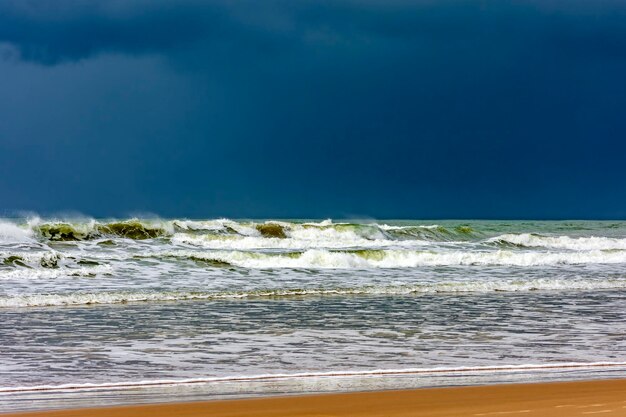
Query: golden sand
{"type": "Point", "coordinates": [567, 399]}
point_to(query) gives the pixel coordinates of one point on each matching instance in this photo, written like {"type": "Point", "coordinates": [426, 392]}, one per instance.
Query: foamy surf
{"type": "Point", "coordinates": [123, 297]}
{"type": "Point", "coordinates": [309, 375]}
{"type": "Point", "coordinates": [592, 243]}
{"type": "Point", "coordinates": [307, 305]}
{"type": "Point", "coordinates": [51, 264]}
{"type": "Point", "coordinates": [379, 258]}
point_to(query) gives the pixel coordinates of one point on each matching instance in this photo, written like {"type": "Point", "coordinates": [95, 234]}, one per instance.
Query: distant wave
{"type": "Point", "coordinates": [121, 297]}
{"type": "Point", "coordinates": [247, 235]}
{"type": "Point", "coordinates": [131, 229]}
{"type": "Point", "coordinates": [194, 232]}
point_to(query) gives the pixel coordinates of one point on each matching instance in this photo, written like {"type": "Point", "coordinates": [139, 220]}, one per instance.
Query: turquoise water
{"type": "Point", "coordinates": [213, 308]}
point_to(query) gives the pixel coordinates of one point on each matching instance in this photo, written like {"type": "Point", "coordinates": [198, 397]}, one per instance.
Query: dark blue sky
{"type": "Point", "coordinates": [371, 108]}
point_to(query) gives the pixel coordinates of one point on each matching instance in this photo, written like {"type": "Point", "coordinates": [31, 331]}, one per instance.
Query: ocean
{"type": "Point", "coordinates": [105, 311]}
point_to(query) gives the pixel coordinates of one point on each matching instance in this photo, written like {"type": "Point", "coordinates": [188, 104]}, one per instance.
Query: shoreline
{"type": "Point", "coordinates": [577, 398]}
{"type": "Point", "coordinates": [270, 377]}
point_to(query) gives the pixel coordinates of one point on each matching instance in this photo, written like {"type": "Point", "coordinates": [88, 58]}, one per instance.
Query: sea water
{"type": "Point", "coordinates": [144, 310]}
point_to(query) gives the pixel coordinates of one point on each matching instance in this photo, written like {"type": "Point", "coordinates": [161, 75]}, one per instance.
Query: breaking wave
{"type": "Point", "coordinates": [131, 229]}
{"type": "Point", "coordinates": [47, 265]}
{"type": "Point", "coordinates": [530, 240]}
{"type": "Point", "coordinates": [35, 248]}
{"type": "Point", "coordinates": [207, 233]}
{"type": "Point", "coordinates": [47, 259]}
{"type": "Point", "coordinates": [228, 234]}
{"type": "Point", "coordinates": [365, 259]}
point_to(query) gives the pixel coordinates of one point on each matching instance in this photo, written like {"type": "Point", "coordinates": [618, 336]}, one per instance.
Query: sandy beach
{"type": "Point", "coordinates": [587, 398]}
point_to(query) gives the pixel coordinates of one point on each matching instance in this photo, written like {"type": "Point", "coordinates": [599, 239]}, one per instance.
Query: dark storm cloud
{"type": "Point", "coordinates": [49, 32]}
{"type": "Point", "coordinates": [429, 108]}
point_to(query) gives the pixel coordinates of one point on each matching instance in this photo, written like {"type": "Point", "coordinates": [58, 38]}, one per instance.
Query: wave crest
{"type": "Point", "coordinates": [531, 240]}
{"type": "Point", "coordinates": [382, 258]}
{"type": "Point", "coordinates": [192, 231]}
{"type": "Point", "coordinates": [130, 229]}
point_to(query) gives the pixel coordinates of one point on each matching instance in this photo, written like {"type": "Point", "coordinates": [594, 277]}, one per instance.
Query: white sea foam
{"type": "Point", "coordinates": [45, 273]}
{"type": "Point", "coordinates": [320, 258]}
{"type": "Point", "coordinates": [300, 239]}
{"type": "Point", "coordinates": [297, 236]}
{"type": "Point", "coordinates": [325, 234]}
{"type": "Point", "coordinates": [208, 225]}
{"type": "Point", "coordinates": [428, 226]}
{"type": "Point", "coordinates": [86, 298]}
{"type": "Point", "coordinates": [562, 242]}
{"type": "Point", "coordinates": [323, 223]}
{"type": "Point", "coordinates": [46, 258]}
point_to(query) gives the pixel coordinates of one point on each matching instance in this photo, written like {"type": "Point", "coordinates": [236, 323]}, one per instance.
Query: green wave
{"type": "Point", "coordinates": [271, 230]}
{"type": "Point", "coordinates": [131, 229]}
{"type": "Point", "coordinates": [15, 260]}
{"type": "Point", "coordinates": [136, 229]}
{"type": "Point", "coordinates": [50, 260]}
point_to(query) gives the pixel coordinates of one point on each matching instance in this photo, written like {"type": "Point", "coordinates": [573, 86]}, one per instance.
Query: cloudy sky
{"type": "Point", "coordinates": [344, 108]}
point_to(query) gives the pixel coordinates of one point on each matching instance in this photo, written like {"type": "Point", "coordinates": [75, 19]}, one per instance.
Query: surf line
{"type": "Point", "coordinates": [273, 377]}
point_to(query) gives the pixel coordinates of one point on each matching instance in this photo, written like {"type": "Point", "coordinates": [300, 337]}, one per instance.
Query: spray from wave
{"type": "Point", "coordinates": [137, 229]}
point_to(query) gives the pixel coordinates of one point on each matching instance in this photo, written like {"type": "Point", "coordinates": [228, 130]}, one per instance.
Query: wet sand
{"type": "Point", "coordinates": [587, 398]}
